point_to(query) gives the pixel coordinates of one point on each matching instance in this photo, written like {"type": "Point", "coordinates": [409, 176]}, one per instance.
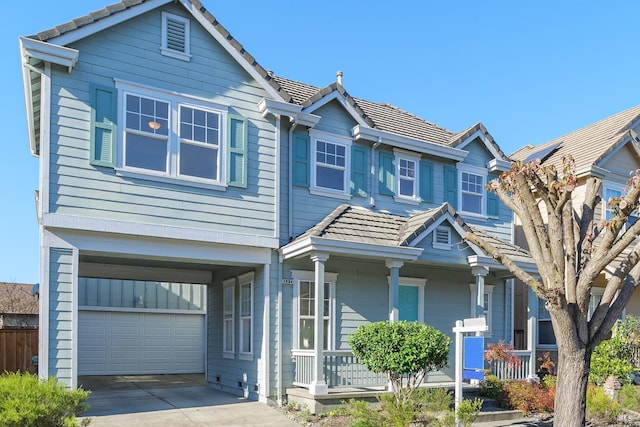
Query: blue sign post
{"type": "Point", "coordinates": [473, 360]}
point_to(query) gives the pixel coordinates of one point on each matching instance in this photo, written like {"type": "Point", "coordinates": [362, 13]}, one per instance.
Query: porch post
{"type": "Point", "coordinates": [318, 385]}
{"type": "Point", "coordinates": [394, 288]}
{"type": "Point", "coordinates": [532, 323]}
{"type": "Point", "coordinates": [479, 273]}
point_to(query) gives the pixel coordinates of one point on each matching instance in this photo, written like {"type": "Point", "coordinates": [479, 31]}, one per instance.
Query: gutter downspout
{"type": "Point", "coordinates": [372, 176]}
{"type": "Point", "coordinates": [290, 181]}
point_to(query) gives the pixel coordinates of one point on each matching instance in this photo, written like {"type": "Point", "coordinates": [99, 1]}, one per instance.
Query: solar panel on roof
{"type": "Point", "coordinates": [543, 154]}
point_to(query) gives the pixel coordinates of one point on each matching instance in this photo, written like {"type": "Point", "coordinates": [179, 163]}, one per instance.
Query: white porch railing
{"type": "Point", "coordinates": [514, 372]}
{"type": "Point", "coordinates": [341, 369]}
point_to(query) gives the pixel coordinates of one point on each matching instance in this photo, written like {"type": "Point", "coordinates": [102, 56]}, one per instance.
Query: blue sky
{"type": "Point", "coordinates": [530, 71]}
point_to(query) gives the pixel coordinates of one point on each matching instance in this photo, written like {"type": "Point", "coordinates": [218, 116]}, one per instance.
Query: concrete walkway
{"type": "Point", "coordinates": [171, 400]}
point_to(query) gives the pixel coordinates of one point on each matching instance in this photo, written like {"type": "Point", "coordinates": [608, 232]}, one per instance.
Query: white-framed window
{"type": "Point", "coordinates": [612, 191]}
{"type": "Point", "coordinates": [331, 160]}
{"type": "Point", "coordinates": [487, 305]}
{"type": "Point", "coordinates": [168, 136]}
{"type": "Point", "coordinates": [472, 191]}
{"type": "Point", "coordinates": [245, 285]}
{"type": "Point", "coordinates": [442, 237]}
{"type": "Point", "coordinates": [228, 317]}
{"type": "Point", "coordinates": [176, 35]}
{"type": "Point", "coordinates": [407, 170]}
{"type": "Point", "coordinates": [546, 336]}
{"type": "Point", "coordinates": [304, 309]}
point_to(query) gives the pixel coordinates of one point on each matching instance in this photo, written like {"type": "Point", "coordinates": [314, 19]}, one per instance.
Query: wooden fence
{"type": "Point", "coordinates": [17, 347]}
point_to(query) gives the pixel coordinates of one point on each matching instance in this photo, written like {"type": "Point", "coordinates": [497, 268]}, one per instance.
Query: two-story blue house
{"type": "Point", "coordinates": [190, 201]}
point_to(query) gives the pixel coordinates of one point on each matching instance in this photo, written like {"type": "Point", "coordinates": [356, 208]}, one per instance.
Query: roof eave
{"type": "Point", "coordinates": [424, 147]}
{"type": "Point", "coordinates": [48, 52]}
{"type": "Point", "coordinates": [281, 108]}
{"type": "Point", "coordinates": [319, 244]}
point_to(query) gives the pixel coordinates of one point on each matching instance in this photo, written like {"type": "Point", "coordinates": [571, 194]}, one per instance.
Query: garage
{"type": "Point", "coordinates": [140, 342]}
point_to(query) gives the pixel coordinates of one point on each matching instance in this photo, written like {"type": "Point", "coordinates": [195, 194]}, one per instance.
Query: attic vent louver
{"type": "Point", "coordinates": [175, 36]}
{"type": "Point", "coordinates": [442, 238]}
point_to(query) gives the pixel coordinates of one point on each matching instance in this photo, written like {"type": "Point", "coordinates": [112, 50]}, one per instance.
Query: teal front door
{"type": "Point", "coordinates": [408, 303]}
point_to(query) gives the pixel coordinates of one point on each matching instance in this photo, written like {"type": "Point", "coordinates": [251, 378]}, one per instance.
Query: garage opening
{"type": "Point", "coordinates": [128, 327]}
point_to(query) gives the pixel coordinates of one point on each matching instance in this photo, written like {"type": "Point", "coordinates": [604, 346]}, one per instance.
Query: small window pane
{"type": "Point", "coordinates": [246, 336]}
{"type": "Point", "coordinates": [545, 333]}
{"type": "Point", "coordinates": [406, 188]}
{"type": "Point", "coordinates": [146, 153]}
{"type": "Point", "coordinates": [306, 334]}
{"type": "Point", "coordinates": [471, 203]}
{"type": "Point", "coordinates": [198, 161]}
{"type": "Point", "coordinates": [330, 178]}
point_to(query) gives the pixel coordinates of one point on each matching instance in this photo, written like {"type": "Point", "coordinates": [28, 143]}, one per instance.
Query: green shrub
{"type": "Point", "coordinates": [491, 387]}
{"type": "Point", "coordinates": [629, 397]}
{"type": "Point", "coordinates": [611, 358]}
{"type": "Point", "coordinates": [26, 401]}
{"type": "Point", "coordinates": [434, 399]}
{"type": "Point", "coordinates": [600, 407]}
{"type": "Point", "coordinates": [405, 351]}
{"type": "Point", "coordinates": [468, 411]}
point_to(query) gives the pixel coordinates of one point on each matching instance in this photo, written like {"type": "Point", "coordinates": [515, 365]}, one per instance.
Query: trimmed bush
{"type": "Point", "coordinates": [528, 397]}
{"type": "Point", "coordinates": [25, 401]}
{"type": "Point", "coordinates": [611, 358]}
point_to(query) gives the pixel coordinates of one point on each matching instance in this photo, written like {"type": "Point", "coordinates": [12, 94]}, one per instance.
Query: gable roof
{"type": "Point", "coordinates": [17, 298]}
{"type": "Point", "coordinates": [589, 145]}
{"type": "Point", "coordinates": [354, 224]}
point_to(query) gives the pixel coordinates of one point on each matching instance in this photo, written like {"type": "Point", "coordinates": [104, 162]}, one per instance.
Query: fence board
{"type": "Point", "coordinates": [17, 346]}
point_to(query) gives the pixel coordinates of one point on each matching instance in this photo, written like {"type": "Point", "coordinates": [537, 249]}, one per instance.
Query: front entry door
{"type": "Point", "coordinates": [408, 304]}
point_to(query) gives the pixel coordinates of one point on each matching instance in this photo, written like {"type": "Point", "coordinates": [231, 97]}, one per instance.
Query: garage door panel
{"type": "Point", "coordinates": [111, 343]}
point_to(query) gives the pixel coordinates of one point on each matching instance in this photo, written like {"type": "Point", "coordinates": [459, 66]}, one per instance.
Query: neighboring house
{"type": "Point", "coordinates": [18, 306]}
{"type": "Point", "coordinates": [608, 149]}
{"type": "Point", "coordinates": [190, 201]}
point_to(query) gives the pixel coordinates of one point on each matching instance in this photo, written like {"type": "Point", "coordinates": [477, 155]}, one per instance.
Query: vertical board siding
{"type": "Point", "coordinates": [60, 313]}
{"type": "Point", "coordinates": [96, 292]}
{"type": "Point", "coordinates": [78, 188]}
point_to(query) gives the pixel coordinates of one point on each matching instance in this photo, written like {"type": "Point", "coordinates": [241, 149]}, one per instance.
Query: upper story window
{"type": "Point", "coordinates": [331, 158]}
{"type": "Point", "coordinates": [175, 36]}
{"type": "Point", "coordinates": [170, 136]}
{"type": "Point", "coordinates": [407, 171]}
{"type": "Point", "coordinates": [614, 192]}
{"type": "Point", "coordinates": [472, 191]}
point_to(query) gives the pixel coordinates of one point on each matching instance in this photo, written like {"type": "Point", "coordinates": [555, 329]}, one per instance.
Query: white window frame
{"type": "Point", "coordinates": [244, 280]}
{"type": "Point", "coordinates": [618, 188]}
{"type": "Point", "coordinates": [319, 136]}
{"type": "Point", "coordinates": [309, 276]}
{"type": "Point", "coordinates": [401, 155]}
{"type": "Point", "coordinates": [228, 317]}
{"type": "Point", "coordinates": [164, 48]}
{"type": "Point", "coordinates": [488, 310]}
{"type": "Point", "coordinates": [482, 173]}
{"type": "Point", "coordinates": [175, 101]}
{"type": "Point", "coordinates": [440, 245]}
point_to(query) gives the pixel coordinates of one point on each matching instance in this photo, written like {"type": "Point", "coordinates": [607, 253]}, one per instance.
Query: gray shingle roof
{"type": "Point", "coordinates": [361, 225]}
{"type": "Point", "coordinates": [587, 145]}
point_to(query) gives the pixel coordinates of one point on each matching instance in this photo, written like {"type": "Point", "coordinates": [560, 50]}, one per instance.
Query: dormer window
{"type": "Point", "coordinates": [331, 157]}
{"type": "Point", "coordinates": [175, 37]}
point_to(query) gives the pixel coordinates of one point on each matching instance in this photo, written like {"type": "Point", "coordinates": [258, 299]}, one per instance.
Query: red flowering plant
{"type": "Point", "coordinates": [502, 359]}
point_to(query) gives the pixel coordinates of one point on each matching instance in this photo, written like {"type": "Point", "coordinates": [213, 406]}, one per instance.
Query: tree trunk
{"type": "Point", "coordinates": [571, 389]}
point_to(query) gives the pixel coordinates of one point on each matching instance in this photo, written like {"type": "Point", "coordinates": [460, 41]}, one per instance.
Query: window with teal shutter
{"type": "Point", "coordinates": [301, 159]}
{"type": "Point", "coordinates": [426, 181]}
{"type": "Point", "coordinates": [386, 174]}
{"type": "Point", "coordinates": [359, 166]}
{"type": "Point", "coordinates": [493, 202]}
{"type": "Point", "coordinates": [104, 107]}
{"type": "Point", "coordinates": [451, 186]}
{"type": "Point", "coordinates": [237, 152]}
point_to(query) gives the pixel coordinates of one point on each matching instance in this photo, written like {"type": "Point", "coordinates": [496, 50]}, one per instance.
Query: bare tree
{"type": "Point", "coordinates": [17, 305]}
{"type": "Point", "coordinates": [571, 249]}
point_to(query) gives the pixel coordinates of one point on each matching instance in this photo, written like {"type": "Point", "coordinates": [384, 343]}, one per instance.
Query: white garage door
{"type": "Point", "coordinates": [117, 343]}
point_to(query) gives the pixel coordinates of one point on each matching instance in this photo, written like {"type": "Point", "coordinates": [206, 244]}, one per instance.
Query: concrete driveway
{"type": "Point", "coordinates": [171, 400]}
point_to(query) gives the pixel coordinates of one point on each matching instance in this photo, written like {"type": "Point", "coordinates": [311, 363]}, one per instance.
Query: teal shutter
{"type": "Point", "coordinates": [359, 166]}
{"type": "Point", "coordinates": [386, 174]}
{"type": "Point", "coordinates": [237, 151]}
{"type": "Point", "coordinates": [451, 186]}
{"type": "Point", "coordinates": [104, 110]}
{"type": "Point", "coordinates": [301, 159]}
{"type": "Point", "coordinates": [426, 181]}
{"type": "Point", "coordinates": [493, 202]}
